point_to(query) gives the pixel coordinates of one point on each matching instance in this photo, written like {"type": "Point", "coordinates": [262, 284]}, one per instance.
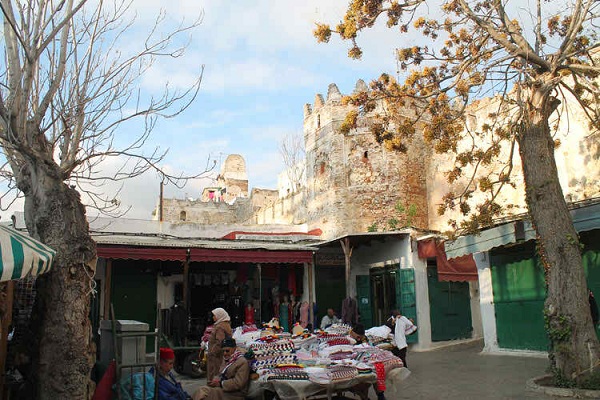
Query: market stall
{"type": "Point", "coordinates": [298, 366]}
{"type": "Point", "coordinates": [21, 257]}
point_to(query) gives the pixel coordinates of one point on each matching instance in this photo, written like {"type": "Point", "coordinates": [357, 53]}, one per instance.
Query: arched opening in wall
{"type": "Point", "coordinates": [182, 216]}
{"type": "Point", "coordinates": [366, 155]}
{"type": "Point", "coordinates": [318, 121]}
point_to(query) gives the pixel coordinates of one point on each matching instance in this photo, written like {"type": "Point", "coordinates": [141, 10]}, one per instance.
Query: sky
{"type": "Point", "coordinates": [261, 65]}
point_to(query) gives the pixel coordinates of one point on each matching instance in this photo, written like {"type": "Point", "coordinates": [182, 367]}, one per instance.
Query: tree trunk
{"type": "Point", "coordinates": [574, 345]}
{"type": "Point", "coordinates": [63, 351]}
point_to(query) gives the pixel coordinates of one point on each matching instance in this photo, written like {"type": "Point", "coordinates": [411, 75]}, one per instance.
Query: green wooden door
{"type": "Point", "coordinates": [449, 308]}
{"type": "Point", "coordinates": [363, 298]}
{"type": "Point", "coordinates": [406, 299]}
{"type": "Point", "coordinates": [591, 262]}
{"type": "Point", "coordinates": [519, 294]}
{"type": "Point", "coordinates": [133, 293]}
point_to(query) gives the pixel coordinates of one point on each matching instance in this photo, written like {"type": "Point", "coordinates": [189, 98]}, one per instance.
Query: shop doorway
{"type": "Point", "coordinates": [383, 292]}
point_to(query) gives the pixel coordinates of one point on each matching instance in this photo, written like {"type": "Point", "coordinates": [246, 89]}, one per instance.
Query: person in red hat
{"type": "Point", "coordinates": [168, 387]}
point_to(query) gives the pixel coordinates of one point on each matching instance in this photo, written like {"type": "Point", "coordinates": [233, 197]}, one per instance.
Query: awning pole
{"type": "Point", "coordinates": [345, 242]}
{"type": "Point", "coordinates": [311, 309]}
{"type": "Point", "coordinates": [186, 281]}
{"type": "Point", "coordinates": [260, 294]}
{"type": "Point", "coordinates": [6, 321]}
{"type": "Point", "coordinates": [107, 286]}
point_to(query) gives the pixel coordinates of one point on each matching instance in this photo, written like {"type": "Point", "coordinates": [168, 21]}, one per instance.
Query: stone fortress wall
{"type": "Point", "coordinates": [352, 184]}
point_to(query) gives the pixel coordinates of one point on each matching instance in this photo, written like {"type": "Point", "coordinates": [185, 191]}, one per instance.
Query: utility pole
{"type": "Point", "coordinates": [160, 200]}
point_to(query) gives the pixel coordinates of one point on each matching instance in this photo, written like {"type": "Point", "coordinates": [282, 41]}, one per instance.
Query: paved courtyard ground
{"type": "Point", "coordinates": [460, 373]}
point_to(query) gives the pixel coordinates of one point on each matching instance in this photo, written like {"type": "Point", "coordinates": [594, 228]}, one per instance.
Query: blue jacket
{"type": "Point", "coordinates": [170, 389]}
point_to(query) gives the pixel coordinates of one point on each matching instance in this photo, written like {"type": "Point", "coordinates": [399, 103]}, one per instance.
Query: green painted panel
{"type": "Point", "coordinates": [519, 294]}
{"type": "Point", "coordinates": [522, 325]}
{"type": "Point", "coordinates": [407, 299]}
{"type": "Point", "coordinates": [363, 297]}
{"type": "Point", "coordinates": [519, 291]}
{"type": "Point", "coordinates": [133, 292]}
{"type": "Point", "coordinates": [591, 262]}
{"type": "Point", "coordinates": [449, 308]}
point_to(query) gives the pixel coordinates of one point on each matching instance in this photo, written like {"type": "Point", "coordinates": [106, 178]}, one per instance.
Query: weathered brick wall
{"type": "Point", "coordinates": [287, 210]}
{"type": "Point", "coordinates": [198, 211]}
{"type": "Point", "coordinates": [353, 182]}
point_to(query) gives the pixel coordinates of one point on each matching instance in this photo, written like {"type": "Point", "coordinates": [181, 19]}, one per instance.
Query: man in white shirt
{"type": "Point", "coordinates": [329, 319]}
{"type": "Point", "coordinates": [401, 325]}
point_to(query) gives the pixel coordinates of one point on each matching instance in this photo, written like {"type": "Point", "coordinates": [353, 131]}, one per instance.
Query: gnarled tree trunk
{"type": "Point", "coordinates": [574, 345]}
{"type": "Point", "coordinates": [64, 354]}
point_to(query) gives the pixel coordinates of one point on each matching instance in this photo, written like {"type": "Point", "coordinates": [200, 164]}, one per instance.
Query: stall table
{"type": "Point", "coordinates": [303, 389]}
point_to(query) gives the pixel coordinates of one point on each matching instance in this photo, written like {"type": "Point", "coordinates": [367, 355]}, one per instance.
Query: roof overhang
{"type": "Point", "coordinates": [357, 239]}
{"type": "Point", "coordinates": [585, 218]}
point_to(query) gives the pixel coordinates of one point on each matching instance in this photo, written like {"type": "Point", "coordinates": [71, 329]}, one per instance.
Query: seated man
{"type": "Point", "coordinates": [329, 319]}
{"type": "Point", "coordinates": [232, 381]}
{"type": "Point", "coordinates": [168, 387]}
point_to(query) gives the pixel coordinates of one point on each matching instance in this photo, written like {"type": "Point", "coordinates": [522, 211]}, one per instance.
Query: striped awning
{"type": "Point", "coordinates": [21, 255]}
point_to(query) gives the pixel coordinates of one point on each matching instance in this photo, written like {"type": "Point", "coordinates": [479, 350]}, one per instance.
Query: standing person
{"type": "Point", "coordinates": [329, 319]}
{"type": "Point", "coordinates": [232, 381]}
{"type": "Point", "coordinates": [401, 324]}
{"type": "Point", "coordinates": [168, 387]}
{"type": "Point", "coordinates": [221, 330]}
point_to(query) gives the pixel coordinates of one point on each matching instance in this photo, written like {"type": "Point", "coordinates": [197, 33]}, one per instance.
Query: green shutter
{"type": "Point", "coordinates": [406, 298]}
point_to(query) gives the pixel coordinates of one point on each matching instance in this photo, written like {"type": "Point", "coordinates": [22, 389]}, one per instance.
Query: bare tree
{"type": "Point", "coordinates": [291, 148]}
{"type": "Point", "coordinates": [531, 61]}
{"type": "Point", "coordinates": [70, 82]}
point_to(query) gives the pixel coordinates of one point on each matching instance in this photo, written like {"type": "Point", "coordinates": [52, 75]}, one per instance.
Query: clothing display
{"type": "Point", "coordinates": [349, 311]}
{"type": "Point", "coordinates": [299, 366]}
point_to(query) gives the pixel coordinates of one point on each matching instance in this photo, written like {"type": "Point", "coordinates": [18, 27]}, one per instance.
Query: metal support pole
{"type": "Point", "coordinates": [345, 242]}
{"type": "Point", "coordinates": [260, 292]}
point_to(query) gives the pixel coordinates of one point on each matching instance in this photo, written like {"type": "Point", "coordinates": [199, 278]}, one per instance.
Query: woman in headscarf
{"type": "Point", "coordinates": [221, 330]}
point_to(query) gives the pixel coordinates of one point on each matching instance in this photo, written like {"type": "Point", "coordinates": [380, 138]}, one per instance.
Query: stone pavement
{"type": "Point", "coordinates": [463, 372]}
{"type": "Point", "coordinates": [459, 372]}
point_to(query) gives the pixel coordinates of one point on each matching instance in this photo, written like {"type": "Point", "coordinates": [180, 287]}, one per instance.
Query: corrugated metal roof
{"type": "Point", "coordinates": [165, 241]}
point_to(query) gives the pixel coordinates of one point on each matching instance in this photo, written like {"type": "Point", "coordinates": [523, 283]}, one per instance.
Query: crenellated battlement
{"type": "Point", "coordinates": [334, 98]}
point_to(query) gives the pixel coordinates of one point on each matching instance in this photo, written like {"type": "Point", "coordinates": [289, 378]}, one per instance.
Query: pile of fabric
{"type": "Point", "coordinates": [246, 334]}
{"type": "Point", "coordinates": [329, 356]}
{"type": "Point", "coordinates": [381, 336]}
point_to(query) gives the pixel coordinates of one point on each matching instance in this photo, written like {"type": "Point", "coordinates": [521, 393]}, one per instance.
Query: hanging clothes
{"type": "Point", "coordinates": [284, 309]}
{"type": "Point", "coordinates": [179, 321]}
{"type": "Point", "coordinates": [304, 314]}
{"type": "Point", "coordinates": [249, 314]}
{"type": "Point", "coordinates": [296, 311]}
{"type": "Point", "coordinates": [349, 311]}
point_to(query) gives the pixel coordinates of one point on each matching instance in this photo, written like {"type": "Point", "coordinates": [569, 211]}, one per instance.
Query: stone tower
{"type": "Point", "coordinates": [352, 181]}
{"type": "Point", "coordinates": [233, 178]}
